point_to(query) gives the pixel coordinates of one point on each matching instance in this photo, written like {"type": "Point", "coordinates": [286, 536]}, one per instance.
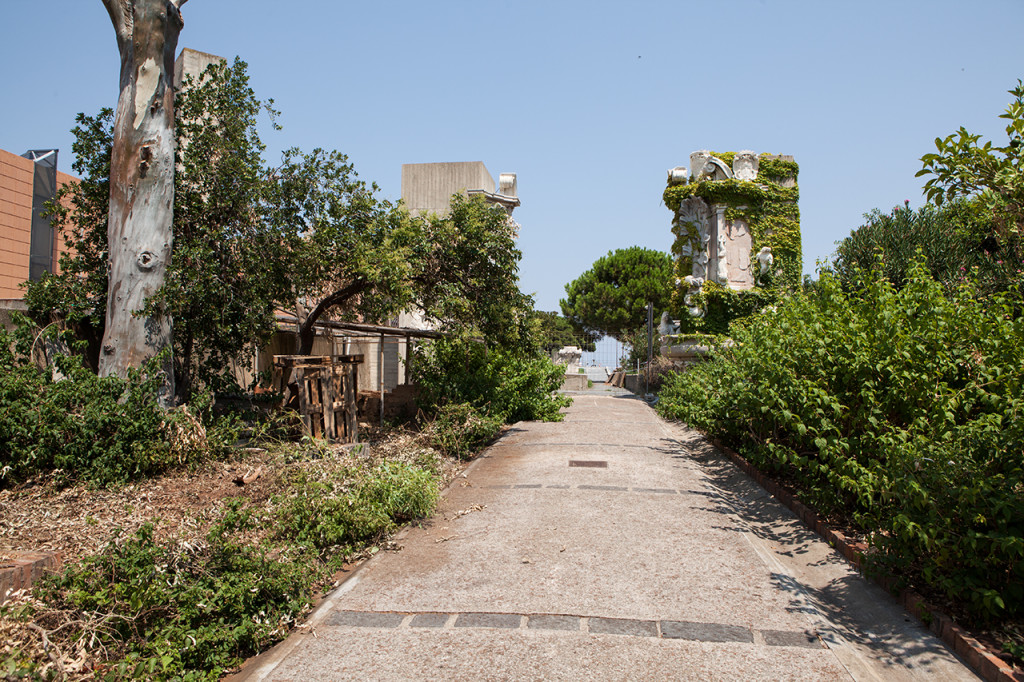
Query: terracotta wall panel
{"type": "Point", "coordinates": [16, 178]}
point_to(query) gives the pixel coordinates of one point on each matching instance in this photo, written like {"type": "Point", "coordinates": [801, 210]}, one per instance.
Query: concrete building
{"type": "Point", "coordinates": [192, 63]}
{"type": "Point", "coordinates": [428, 187]}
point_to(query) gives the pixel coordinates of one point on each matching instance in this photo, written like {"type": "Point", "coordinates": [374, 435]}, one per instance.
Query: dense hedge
{"type": "Point", "coordinates": [505, 384]}
{"type": "Point", "coordinates": [901, 411]}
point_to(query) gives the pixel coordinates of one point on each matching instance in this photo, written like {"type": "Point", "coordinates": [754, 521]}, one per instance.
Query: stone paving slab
{"type": "Point", "coordinates": [500, 655]}
{"type": "Point", "coordinates": [706, 632]}
{"type": "Point", "coordinates": [698, 632]}
{"type": "Point", "coordinates": [623, 626]}
{"type": "Point", "coordinates": [668, 563]}
{"type": "Point", "coordinates": [429, 620]}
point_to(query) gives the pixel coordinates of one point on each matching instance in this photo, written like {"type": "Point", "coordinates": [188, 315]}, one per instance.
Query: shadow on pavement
{"type": "Point", "coordinates": [845, 600]}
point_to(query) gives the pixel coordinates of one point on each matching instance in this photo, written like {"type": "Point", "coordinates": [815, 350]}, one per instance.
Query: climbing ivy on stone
{"type": "Point", "coordinates": [768, 205]}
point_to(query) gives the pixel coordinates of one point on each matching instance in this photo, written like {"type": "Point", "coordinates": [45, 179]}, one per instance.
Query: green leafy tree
{"type": "Point", "coordinates": [611, 298]}
{"type": "Point", "coordinates": [945, 235]}
{"type": "Point", "coordinates": [964, 167]}
{"type": "Point", "coordinates": [358, 257]}
{"type": "Point", "coordinates": [467, 275]}
{"type": "Point", "coordinates": [552, 332]}
{"type": "Point", "coordinates": [227, 265]}
{"type": "Point", "coordinates": [348, 250]}
{"type": "Point", "coordinates": [976, 227]}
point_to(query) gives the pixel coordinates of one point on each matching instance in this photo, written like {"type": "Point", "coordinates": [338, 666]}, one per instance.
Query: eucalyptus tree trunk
{"type": "Point", "coordinates": [141, 187]}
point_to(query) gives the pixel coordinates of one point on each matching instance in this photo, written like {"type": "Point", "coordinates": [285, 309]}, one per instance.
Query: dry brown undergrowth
{"type": "Point", "coordinates": [79, 520]}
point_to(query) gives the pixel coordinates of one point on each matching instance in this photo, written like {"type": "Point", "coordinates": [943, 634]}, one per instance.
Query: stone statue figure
{"type": "Point", "coordinates": [694, 285]}
{"type": "Point", "coordinates": [722, 266]}
{"type": "Point", "coordinates": [765, 259]}
{"type": "Point", "coordinates": [667, 326]}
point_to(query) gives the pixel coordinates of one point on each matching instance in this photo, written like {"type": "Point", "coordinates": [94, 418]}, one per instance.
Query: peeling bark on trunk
{"type": "Point", "coordinates": [139, 230]}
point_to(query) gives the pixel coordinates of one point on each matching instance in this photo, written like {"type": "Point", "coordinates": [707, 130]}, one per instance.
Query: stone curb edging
{"type": "Point", "coordinates": [25, 568]}
{"type": "Point", "coordinates": [987, 665]}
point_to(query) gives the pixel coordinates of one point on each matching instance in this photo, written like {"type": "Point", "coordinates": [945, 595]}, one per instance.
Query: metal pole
{"type": "Point", "coordinates": [408, 358]}
{"type": "Point", "coordinates": [380, 377]}
{"type": "Point", "coordinates": [650, 347]}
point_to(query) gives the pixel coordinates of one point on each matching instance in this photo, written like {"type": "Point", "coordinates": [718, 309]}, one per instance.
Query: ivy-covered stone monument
{"type": "Point", "coordinates": [737, 229]}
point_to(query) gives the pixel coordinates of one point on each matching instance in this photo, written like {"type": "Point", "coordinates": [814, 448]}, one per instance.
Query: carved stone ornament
{"type": "Point", "coordinates": [569, 356]}
{"type": "Point", "coordinates": [745, 165]}
{"type": "Point", "coordinates": [715, 169]}
{"type": "Point", "coordinates": [678, 176]}
{"type": "Point", "coordinates": [695, 214]}
{"type": "Point", "coordinates": [697, 161]}
{"type": "Point", "coordinates": [765, 259]}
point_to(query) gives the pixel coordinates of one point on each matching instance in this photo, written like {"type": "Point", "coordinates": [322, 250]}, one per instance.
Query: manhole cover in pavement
{"type": "Point", "coordinates": [592, 463]}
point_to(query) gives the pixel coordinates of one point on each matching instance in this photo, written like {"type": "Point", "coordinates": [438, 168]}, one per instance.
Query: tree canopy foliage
{"type": "Point", "coordinates": [466, 274]}
{"type": "Point", "coordinates": [552, 332]}
{"type": "Point", "coordinates": [348, 250]}
{"type": "Point", "coordinates": [308, 235]}
{"type": "Point", "coordinates": [974, 229]}
{"type": "Point", "coordinates": [612, 296]}
{"type": "Point", "coordinates": [962, 167]}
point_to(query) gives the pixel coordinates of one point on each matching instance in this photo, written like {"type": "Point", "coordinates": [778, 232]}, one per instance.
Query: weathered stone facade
{"type": "Point", "coordinates": [736, 223]}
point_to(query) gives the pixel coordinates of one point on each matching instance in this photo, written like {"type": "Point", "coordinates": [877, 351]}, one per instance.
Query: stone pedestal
{"type": "Point", "coordinates": [683, 352]}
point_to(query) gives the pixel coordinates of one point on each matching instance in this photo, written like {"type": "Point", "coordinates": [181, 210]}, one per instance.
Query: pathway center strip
{"type": "Point", "coordinates": [627, 627]}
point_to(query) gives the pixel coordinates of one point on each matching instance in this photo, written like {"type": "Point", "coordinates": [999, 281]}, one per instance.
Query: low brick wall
{"type": "Point", "coordinates": [25, 568]}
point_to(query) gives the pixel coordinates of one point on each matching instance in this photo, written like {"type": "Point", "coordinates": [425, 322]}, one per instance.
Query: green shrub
{"type": "Point", "coordinates": [349, 507]}
{"type": "Point", "coordinates": [958, 240]}
{"type": "Point", "coordinates": [888, 241]}
{"type": "Point", "coordinates": [159, 611]}
{"type": "Point", "coordinates": [900, 410]}
{"type": "Point", "coordinates": [103, 430]}
{"type": "Point", "coordinates": [508, 385]}
{"type": "Point", "coordinates": [459, 430]}
{"type": "Point", "coordinates": [150, 609]}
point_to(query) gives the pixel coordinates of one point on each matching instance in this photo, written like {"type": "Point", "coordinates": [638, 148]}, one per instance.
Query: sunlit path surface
{"type": "Point", "coordinates": [610, 546]}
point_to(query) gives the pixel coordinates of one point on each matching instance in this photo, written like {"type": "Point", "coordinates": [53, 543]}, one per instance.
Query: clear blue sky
{"type": "Point", "coordinates": [589, 102]}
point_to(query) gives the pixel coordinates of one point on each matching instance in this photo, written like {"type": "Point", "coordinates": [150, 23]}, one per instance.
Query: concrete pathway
{"type": "Point", "coordinates": [612, 546]}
